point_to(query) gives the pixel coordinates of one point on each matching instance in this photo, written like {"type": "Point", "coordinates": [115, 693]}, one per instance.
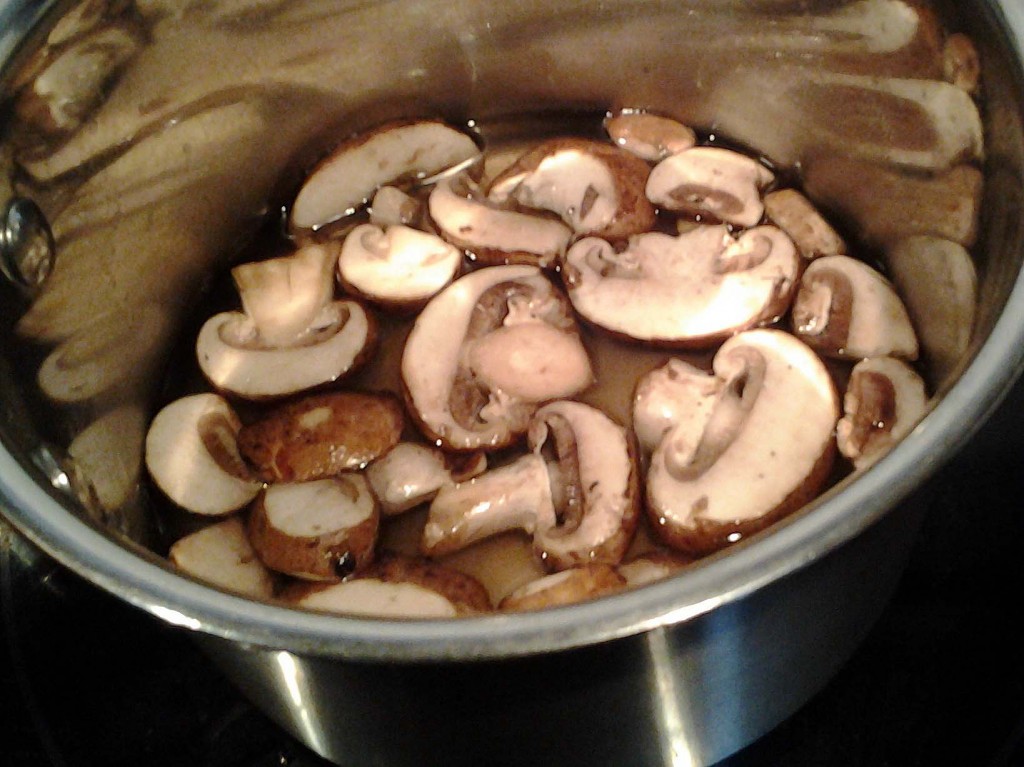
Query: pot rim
{"type": "Point", "coordinates": [148, 582]}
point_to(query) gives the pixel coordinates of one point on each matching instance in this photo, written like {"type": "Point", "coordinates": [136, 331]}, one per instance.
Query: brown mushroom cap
{"type": "Point", "coordinates": [323, 530]}
{"type": "Point", "coordinates": [358, 167]}
{"type": "Point", "coordinates": [566, 587]}
{"type": "Point", "coordinates": [845, 309]}
{"type": "Point", "coordinates": [193, 457]}
{"type": "Point", "coordinates": [711, 181]}
{"type": "Point", "coordinates": [691, 290]}
{"type": "Point", "coordinates": [765, 449]}
{"type": "Point", "coordinates": [596, 188]}
{"type": "Point", "coordinates": [885, 399]}
{"type": "Point", "coordinates": [485, 351]}
{"type": "Point", "coordinates": [319, 436]}
{"type": "Point", "coordinates": [222, 555]}
{"type": "Point", "coordinates": [648, 136]}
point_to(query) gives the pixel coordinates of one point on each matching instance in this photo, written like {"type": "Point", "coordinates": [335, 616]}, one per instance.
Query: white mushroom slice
{"type": "Point", "coordinates": [323, 530]}
{"type": "Point", "coordinates": [794, 214]}
{"type": "Point", "coordinates": [576, 493]}
{"type": "Point", "coordinates": [391, 206]}
{"type": "Point", "coordinates": [222, 555]}
{"type": "Point", "coordinates": [673, 394]}
{"type": "Point", "coordinates": [411, 474]}
{"type": "Point", "coordinates": [691, 290]}
{"type": "Point", "coordinates": [401, 587]}
{"type": "Point", "coordinates": [595, 188]}
{"type": "Point", "coordinates": [847, 310]}
{"type": "Point", "coordinates": [493, 235]}
{"type": "Point", "coordinates": [766, 449]}
{"type": "Point", "coordinates": [938, 283]}
{"type": "Point", "coordinates": [884, 401]}
{"type": "Point", "coordinates": [649, 137]}
{"type": "Point", "coordinates": [398, 267]}
{"type": "Point", "coordinates": [500, 326]}
{"type": "Point", "coordinates": [564, 588]}
{"type": "Point", "coordinates": [652, 566]}
{"type": "Point", "coordinates": [232, 358]}
{"type": "Point", "coordinates": [360, 166]}
{"type": "Point", "coordinates": [711, 181]}
{"type": "Point", "coordinates": [192, 455]}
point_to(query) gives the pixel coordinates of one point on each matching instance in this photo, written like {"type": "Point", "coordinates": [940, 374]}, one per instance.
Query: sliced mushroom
{"type": "Point", "coordinates": [361, 165]}
{"type": "Point", "coordinates": [648, 136]}
{"type": "Point", "coordinates": [653, 566]}
{"type": "Point", "coordinates": [576, 493]}
{"type": "Point", "coordinates": [400, 587]}
{"type": "Point", "coordinates": [796, 216]}
{"type": "Point", "coordinates": [675, 393]}
{"type": "Point", "coordinates": [884, 401]}
{"type": "Point", "coordinates": [847, 310]}
{"type": "Point", "coordinates": [765, 450]}
{"type": "Point", "coordinates": [192, 456]}
{"type": "Point", "coordinates": [322, 435]}
{"type": "Point", "coordinates": [398, 267]}
{"type": "Point", "coordinates": [391, 206]}
{"type": "Point", "coordinates": [493, 235]}
{"type": "Point", "coordinates": [411, 474]}
{"type": "Point", "coordinates": [291, 336]}
{"type": "Point", "coordinates": [595, 188]}
{"type": "Point", "coordinates": [938, 283]}
{"type": "Point", "coordinates": [563, 588]}
{"type": "Point", "coordinates": [691, 290]}
{"type": "Point", "coordinates": [324, 530]}
{"type": "Point", "coordinates": [485, 352]}
{"type": "Point", "coordinates": [222, 555]}
{"type": "Point", "coordinates": [711, 181]}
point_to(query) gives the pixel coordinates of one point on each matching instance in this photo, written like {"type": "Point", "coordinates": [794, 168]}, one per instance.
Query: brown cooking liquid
{"type": "Point", "coordinates": [503, 562]}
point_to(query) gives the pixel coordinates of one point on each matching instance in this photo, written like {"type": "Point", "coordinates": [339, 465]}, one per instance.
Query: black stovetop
{"type": "Point", "coordinates": [88, 681]}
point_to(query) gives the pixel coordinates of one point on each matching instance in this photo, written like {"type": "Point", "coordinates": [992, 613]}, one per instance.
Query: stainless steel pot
{"type": "Point", "coordinates": [181, 124]}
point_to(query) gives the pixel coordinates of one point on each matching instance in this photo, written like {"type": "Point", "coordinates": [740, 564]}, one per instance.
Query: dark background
{"type": "Point", "coordinates": [87, 681]}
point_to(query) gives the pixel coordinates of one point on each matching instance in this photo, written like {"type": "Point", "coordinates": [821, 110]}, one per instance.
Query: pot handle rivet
{"type": "Point", "coordinates": [27, 249]}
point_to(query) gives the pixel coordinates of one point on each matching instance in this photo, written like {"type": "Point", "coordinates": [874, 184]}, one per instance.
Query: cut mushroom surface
{"type": "Point", "coordinates": [290, 336]}
{"type": "Point", "coordinates": [885, 399]}
{"type": "Point", "coordinates": [222, 555]}
{"type": "Point", "coordinates": [650, 137]}
{"type": "Point", "coordinates": [766, 448]}
{"type": "Point", "coordinates": [401, 587]}
{"type": "Point", "coordinates": [323, 530]}
{"type": "Point", "coordinates": [711, 181]}
{"type": "Point", "coordinates": [319, 436]}
{"type": "Point", "coordinates": [566, 587]}
{"type": "Point", "coordinates": [576, 493]}
{"type": "Point", "coordinates": [653, 566]}
{"type": "Point", "coordinates": [847, 310]}
{"type": "Point", "coordinates": [398, 267]}
{"type": "Point", "coordinates": [690, 290]}
{"type": "Point", "coordinates": [797, 216]}
{"type": "Point", "coordinates": [411, 474]}
{"type": "Point", "coordinates": [193, 457]}
{"type": "Point", "coordinates": [494, 235]}
{"type": "Point", "coordinates": [360, 166]}
{"type": "Point", "coordinates": [595, 188]}
{"type": "Point", "coordinates": [675, 393]}
{"type": "Point", "coordinates": [485, 352]}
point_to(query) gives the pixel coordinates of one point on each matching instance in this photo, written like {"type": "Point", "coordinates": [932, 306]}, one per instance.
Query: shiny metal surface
{"type": "Point", "coordinates": [187, 164]}
{"type": "Point", "coordinates": [27, 249]}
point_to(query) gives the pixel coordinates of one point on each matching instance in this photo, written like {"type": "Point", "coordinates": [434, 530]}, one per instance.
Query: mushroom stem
{"type": "Point", "coordinates": [511, 497]}
{"type": "Point", "coordinates": [283, 296]}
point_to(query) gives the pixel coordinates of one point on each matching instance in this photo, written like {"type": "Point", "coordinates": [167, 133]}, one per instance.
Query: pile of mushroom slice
{"type": "Point", "coordinates": [649, 239]}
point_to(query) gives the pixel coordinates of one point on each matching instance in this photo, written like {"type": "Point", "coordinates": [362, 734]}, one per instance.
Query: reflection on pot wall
{"type": "Point", "coordinates": [157, 136]}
